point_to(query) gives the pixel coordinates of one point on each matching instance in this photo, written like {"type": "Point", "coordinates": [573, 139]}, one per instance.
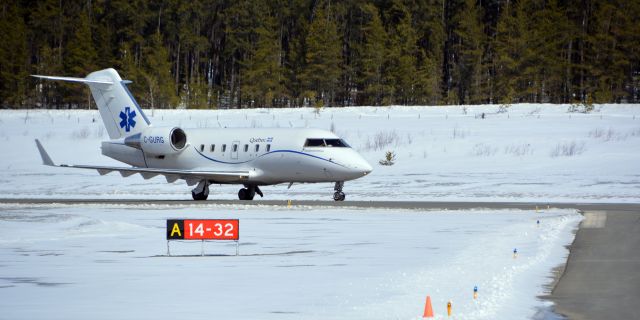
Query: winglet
{"type": "Point", "coordinates": [46, 160]}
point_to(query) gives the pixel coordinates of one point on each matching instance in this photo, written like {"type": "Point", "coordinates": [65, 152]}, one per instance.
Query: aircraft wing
{"type": "Point", "coordinates": [191, 176]}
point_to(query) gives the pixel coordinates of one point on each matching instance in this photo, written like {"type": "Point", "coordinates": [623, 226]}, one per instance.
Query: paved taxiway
{"type": "Point", "coordinates": [601, 279]}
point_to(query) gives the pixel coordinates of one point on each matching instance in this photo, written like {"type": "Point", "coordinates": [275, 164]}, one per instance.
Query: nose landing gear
{"type": "Point", "coordinates": [339, 195]}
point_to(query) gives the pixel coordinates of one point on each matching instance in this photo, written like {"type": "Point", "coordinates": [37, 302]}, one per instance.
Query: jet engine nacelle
{"type": "Point", "coordinates": [159, 140]}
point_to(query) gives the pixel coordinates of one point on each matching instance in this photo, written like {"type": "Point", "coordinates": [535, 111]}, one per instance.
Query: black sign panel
{"type": "Point", "coordinates": [175, 229]}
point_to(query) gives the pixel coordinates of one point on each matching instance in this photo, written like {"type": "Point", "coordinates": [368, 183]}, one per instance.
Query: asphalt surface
{"type": "Point", "coordinates": [424, 205]}
{"type": "Point", "coordinates": [601, 279]}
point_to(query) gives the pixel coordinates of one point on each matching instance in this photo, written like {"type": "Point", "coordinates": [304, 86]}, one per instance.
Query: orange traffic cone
{"type": "Point", "coordinates": [428, 310]}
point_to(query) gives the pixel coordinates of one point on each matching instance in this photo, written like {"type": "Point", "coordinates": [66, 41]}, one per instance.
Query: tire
{"type": "Point", "coordinates": [199, 196]}
{"type": "Point", "coordinates": [242, 194]}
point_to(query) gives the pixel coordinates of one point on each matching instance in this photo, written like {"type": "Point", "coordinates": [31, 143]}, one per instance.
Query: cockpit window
{"type": "Point", "coordinates": [336, 143]}
{"type": "Point", "coordinates": [339, 143]}
{"type": "Point", "coordinates": [314, 143]}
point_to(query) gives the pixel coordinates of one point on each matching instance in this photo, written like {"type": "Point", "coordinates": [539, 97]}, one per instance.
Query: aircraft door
{"type": "Point", "coordinates": [234, 150]}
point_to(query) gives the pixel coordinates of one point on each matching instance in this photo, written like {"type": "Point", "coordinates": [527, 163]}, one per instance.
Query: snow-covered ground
{"type": "Point", "coordinates": [531, 152]}
{"type": "Point", "coordinates": [97, 262]}
{"type": "Point", "coordinates": [78, 262]}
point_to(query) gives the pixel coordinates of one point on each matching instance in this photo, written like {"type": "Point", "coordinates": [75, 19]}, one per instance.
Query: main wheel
{"type": "Point", "coordinates": [244, 194]}
{"type": "Point", "coordinates": [199, 196]}
{"type": "Point", "coordinates": [339, 196]}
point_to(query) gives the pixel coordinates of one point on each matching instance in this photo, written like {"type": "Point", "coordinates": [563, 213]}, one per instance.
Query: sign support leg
{"type": "Point", "coordinates": [202, 248]}
{"type": "Point", "coordinates": [237, 248]}
{"type": "Point", "coordinates": [168, 251]}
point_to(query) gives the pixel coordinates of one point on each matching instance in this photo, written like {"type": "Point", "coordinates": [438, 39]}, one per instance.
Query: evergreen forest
{"type": "Point", "coordinates": [296, 53]}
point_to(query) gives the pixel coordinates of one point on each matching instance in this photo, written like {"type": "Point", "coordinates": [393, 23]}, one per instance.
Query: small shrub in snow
{"type": "Point", "coordinates": [535, 111]}
{"type": "Point", "coordinates": [568, 149]}
{"type": "Point", "coordinates": [389, 159]}
{"type": "Point", "coordinates": [582, 107]}
{"type": "Point", "coordinates": [81, 133]}
{"type": "Point", "coordinates": [459, 134]}
{"type": "Point", "coordinates": [612, 135]}
{"type": "Point", "coordinates": [484, 150]}
{"type": "Point", "coordinates": [504, 108]}
{"type": "Point", "coordinates": [602, 134]}
{"type": "Point", "coordinates": [518, 150]}
{"type": "Point", "coordinates": [381, 140]}
{"type": "Point", "coordinates": [99, 132]}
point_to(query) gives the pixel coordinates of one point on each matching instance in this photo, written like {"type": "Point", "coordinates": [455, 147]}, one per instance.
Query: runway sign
{"type": "Point", "coordinates": [207, 229]}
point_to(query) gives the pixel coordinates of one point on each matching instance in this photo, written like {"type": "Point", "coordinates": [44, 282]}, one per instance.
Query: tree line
{"type": "Point", "coordinates": [292, 53]}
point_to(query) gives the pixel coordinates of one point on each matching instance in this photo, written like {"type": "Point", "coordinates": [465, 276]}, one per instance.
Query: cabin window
{"type": "Point", "coordinates": [257, 147]}
{"type": "Point", "coordinates": [246, 147]}
{"type": "Point", "coordinates": [224, 147]}
{"type": "Point", "coordinates": [202, 148]}
{"type": "Point", "coordinates": [213, 147]}
{"type": "Point", "coordinates": [339, 143]}
{"type": "Point", "coordinates": [268, 148]}
{"type": "Point", "coordinates": [235, 148]}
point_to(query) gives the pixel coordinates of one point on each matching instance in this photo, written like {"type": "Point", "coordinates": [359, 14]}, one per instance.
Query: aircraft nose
{"type": "Point", "coordinates": [362, 166]}
{"type": "Point", "coordinates": [366, 167]}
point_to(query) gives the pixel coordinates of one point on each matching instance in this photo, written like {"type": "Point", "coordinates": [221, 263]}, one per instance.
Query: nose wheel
{"type": "Point", "coordinates": [339, 195]}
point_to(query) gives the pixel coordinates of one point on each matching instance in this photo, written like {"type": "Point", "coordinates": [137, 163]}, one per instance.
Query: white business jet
{"type": "Point", "coordinates": [251, 157]}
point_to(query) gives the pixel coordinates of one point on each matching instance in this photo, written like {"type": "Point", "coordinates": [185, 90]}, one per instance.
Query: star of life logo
{"type": "Point", "coordinates": [127, 119]}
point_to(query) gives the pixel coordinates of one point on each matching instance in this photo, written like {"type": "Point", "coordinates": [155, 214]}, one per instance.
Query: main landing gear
{"type": "Point", "coordinates": [248, 192]}
{"type": "Point", "coordinates": [201, 191]}
{"type": "Point", "coordinates": [339, 195]}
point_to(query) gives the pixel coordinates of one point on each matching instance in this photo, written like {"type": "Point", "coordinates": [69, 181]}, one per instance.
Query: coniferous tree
{"type": "Point", "coordinates": [510, 46]}
{"type": "Point", "coordinates": [13, 56]}
{"type": "Point", "coordinates": [281, 53]}
{"type": "Point", "coordinates": [371, 58]}
{"type": "Point", "coordinates": [239, 25]}
{"type": "Point", "coordinates": [322, 57]}
{"type": "Point", "coordinates": [79, 58]}
{"type": "Point", "coordinates": [263, 76]}
{"type": "Point", "coordinates": [157, 76]}
{"type": "Point", "coordinates": [471, 69]}
{"type": "Point", "coordinates": [553, 31]}
{"type": "Point", "coordinates": [611, 47]}
{"type": "Point", "coordinates": [429, 25]}
{"type": "Point", "coordinates": [401, 59]}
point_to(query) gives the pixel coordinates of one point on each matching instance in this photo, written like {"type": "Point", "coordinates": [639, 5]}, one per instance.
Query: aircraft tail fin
{"type": "Point", "coordinates": [121, 114]}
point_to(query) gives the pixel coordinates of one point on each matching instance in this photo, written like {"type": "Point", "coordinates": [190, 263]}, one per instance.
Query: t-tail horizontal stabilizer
{"type": "Point", "coordinates": [101, 83]}
{"type": "Point", "coordinates": [121, 114]}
